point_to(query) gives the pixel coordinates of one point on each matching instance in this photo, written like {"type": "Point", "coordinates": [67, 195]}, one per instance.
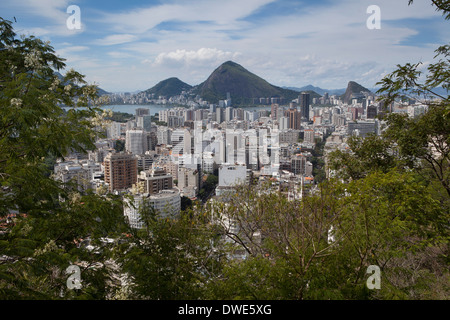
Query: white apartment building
{"type": "Point", "coordinates": [231, 175]}
{"type": "Point", "coordinates": [167, 203]}
{"type": "Point", "coordinates": [164, 135]}
{"type": "Point", "coordinates": [136, 141]}
{"type": "Point", "coordinates": [188, 182]}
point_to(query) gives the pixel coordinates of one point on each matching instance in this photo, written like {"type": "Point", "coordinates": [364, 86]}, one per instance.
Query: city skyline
{"type": "Point", "coordinates": [132, 46]}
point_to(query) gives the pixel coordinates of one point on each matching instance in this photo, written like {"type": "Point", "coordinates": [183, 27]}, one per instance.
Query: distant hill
{"type": "Point", "coordinates": [102, 92]}
{"type": "Point", "coordinates": [169, 88]}
{"type": "Point", "coordinates": [354, 90]}
{"type": "Point", "coordinates": [312, 94]}
{"type": "Point", "coordinates": [242, 85]}
{"type": "Point", "coordinates": [318, 90]}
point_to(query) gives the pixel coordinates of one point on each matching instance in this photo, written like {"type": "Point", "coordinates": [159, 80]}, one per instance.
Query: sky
{"type": "Point", "coordinates": [128, 46]}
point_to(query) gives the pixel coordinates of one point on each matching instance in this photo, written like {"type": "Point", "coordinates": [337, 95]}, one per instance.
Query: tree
{"type": "Point", "coordinates": [391, 210]}
{"type": "Point", "coordinates": [169, 258]}
{"type": "Point", "coordinates": [208, 187]}
{"type": "Point", "coordinates": [321, 247]}
{"type": "Point", "coordinates": [427, 138]}
{"type": "Point", "coordinates": [365, 155]}
{"type": "Point", "coordinates": [119, 145]}
{"type": "Point", "coordinates": [284, 242]}
{"type": "Point", "coordinates": [410, 152]}
{"type": "Point", "coordinates": [441, 5]}
{"type": "Point", "coordinates": [44, 225]}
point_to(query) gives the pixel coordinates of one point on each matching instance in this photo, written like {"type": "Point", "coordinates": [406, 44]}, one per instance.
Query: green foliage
{"type": "Point", "coordinates": [119, 145]}
{"type": "Point", "coordinates": [391, 209]}
{"type": "Point", "coordinates": [120, 117]}
{"type": "Point", "coordinates": [169, 258]}
{"type": "Point", "coordinates": [369, 154]}
{"type": "Point", "coordinates": [420, 144]}
{"type": "Point", "coordinates": [318, 161]}
{"type": "Point", "coordinates": [385, 219]}
{"type": "Point", "coordinates": [44, 222]}
{"type": "Point", "coordinates": [208, 187]}
{"type": "Point", "coordinates": [186, 203]}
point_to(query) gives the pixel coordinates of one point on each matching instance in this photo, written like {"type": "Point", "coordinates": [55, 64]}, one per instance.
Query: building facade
{"type": "Point", "coordinates": [121, 170]}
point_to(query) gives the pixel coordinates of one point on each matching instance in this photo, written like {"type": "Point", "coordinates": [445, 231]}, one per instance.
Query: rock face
{"type": "Point", "coordinates": [169, 88]}
{"type": "Point", "coordinates": [354, 90]}
{"type": "Point", "coordinates": [242, 85]}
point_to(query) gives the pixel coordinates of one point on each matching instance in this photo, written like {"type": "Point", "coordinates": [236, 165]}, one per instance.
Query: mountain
{"type": "Point", "coordinates": [242, 85]}
{"type": "Point", "coordinates": [354, 90]}
{"type": "Point", "coordinates": [102, 92]}
{"type": "Point", "coordinates": [169, 88]}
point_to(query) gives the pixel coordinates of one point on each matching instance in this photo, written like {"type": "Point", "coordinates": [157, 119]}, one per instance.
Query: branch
{"type": "Point", "coordinates": [238, 240]}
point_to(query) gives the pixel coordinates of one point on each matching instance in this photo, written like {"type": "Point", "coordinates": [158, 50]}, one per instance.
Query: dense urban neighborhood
{"type": "Point", "coordinates": [229, 190]}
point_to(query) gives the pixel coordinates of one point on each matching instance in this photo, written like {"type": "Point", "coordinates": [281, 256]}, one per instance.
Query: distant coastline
{"type": "Point", "coordinates": [131, 108]}
{"type": "Point", "coordinates": [154, 109]}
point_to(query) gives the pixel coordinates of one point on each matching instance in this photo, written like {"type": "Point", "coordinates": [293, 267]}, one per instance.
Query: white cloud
{"type": "Point", "coordinates": [191, 58]}
{"type": "Point", "coordinates": [223, 13]}
{"type": "Point", "coordinates": [115, 39]}
{"type": "Point", "coordinates": [51, 9]}
{"type": "Point", "coordinates": [322, 45]}
{"type": "Point", "coordinates": [70, 49]}
{"type": "Point", "coordinates": [51, 15]}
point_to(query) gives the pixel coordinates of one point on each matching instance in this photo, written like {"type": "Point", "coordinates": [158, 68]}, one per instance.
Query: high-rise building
{"type": "Point", "coordinates": [294, 118]}
{"type": "Point", "coordinates": [362, 128]}
{"type": "Point", "coordinates": [238, 114]}
{"type": "Point", "coordinates": [300, 165]}
{"type": "Point", "coordinates": [169, 167]}
{"type": "Point", "coordinates": [145, 161]}
{"type": "Point", "coordinates": [231, 175]}
{"type": "Point", "coordinates": [175, 121]}
{"type": "Point", "coordinates": [182, 142]}
{"type": "Point", "coordinates": [304, 101]}
{"type": "Point", "coordinates": [372, 112]}
{"type": "Point", "coordinates": [308, 136]}
{"type": "Point", "coordinates": [155, 180]}
{"type": "Point", "coordinates": [228, 114]}
{"type": "Point", "coordinates": [164, 115]}
{"type": "Point", "coordinates": [121, 170]}
{"type": "Point", "coordinates": [136, 141]}
{"type": "Point", "coordinates": [114, 130]}
{"type": "Point", "coordinates": [189, 115]}
{"type": "Point", "coordinates": [219, 115]}
{"type": "Point", "coordinates": [164, 135]}
{"type": "Point", "coordinates": [142, 112]}
{"type": "Point", "coordinates": [289, 136]}
{"type": "Point", "coordinates": [283, 123]}
{"type": "Point", "coordinates": [355, 113]}
{"type": "Point", "coordinates": [144, 122]}
{"type": "Point", "coordinates": [274, 111]}
{"type": "Point", "coordinates": [188, 181]}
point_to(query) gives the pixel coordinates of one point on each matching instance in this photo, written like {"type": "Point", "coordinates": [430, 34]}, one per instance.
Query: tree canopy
{"type": "Point", "coordinates": [388, 205]}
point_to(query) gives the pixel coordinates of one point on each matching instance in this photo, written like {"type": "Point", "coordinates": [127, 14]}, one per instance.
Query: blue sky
{"type": "Point", "coordinates": [132, 45]}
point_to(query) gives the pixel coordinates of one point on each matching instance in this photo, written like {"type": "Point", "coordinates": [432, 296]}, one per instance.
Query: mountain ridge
{"type": "Point", "coordinates": [354, 90]}
{"type": "Point", "coordinates": [169, 87]}
{"type": "Point", "coordinates": [243, 86]}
